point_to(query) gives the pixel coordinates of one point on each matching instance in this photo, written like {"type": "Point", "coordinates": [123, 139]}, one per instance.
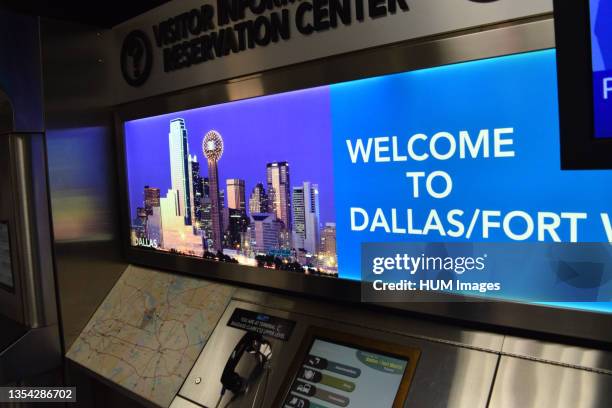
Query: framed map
{"type": "Point", "coordinates": [150, 329]}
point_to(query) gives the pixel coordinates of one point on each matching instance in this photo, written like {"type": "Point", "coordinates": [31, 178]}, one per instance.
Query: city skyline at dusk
{"type": "Point", "coordinates": [250, 143]}
{"type": "Point", "coordinates": [251, 195]}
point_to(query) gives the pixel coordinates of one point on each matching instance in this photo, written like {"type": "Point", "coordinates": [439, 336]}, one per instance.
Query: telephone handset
{"type": "Point", "coordinates": [251, 344]}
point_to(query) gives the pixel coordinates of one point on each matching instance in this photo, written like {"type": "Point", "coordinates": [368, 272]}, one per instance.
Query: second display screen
{"type": "Point", "coordinates": [334, 375]}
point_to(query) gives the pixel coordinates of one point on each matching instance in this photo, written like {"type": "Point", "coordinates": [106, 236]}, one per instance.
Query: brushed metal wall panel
{"type": "Point", "coordinates": [446, 376]}
{"type": "Point", "coordinates": [393, 323]}
{"type": "Point", "coordinates": [582, 357]}
{"type": "Point", "coordinates": [530, 384]}
{"type": "Point", "coordinates": [82, 175]}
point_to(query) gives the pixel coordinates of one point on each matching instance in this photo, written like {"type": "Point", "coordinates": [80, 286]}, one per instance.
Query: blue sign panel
{"type": "Point", "coordinates": [461, 153]}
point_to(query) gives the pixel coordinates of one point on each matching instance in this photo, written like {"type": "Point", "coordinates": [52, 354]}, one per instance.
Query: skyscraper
{"type": "Point", "coordinates": [153, 210]}
{"type": "Point", "coordinates": [155, 231]}
{"type": "Point", "coordinates": [140, 222]}
{"type": "Point", "coordinates": [176, 235]}
{"type": "Point", "coordinates": [212, 146]}
{"type": "Point", "coordinates": [313, 232]}
{"type": "Point", "coordinates": [205, 214]}
{"type": "Point", "coordinates": [236, 195]}
{"type": "Point", "coordinates": [193, 162]}
{"type": "Point", "coordinates": [299, 217]}
{"type": "Point", "coordinates": [180, 165]}
{"type": "Point", "coordinates": [258, 201]}
{"type": "Point", "coordinates": [328, 239]}
{"type": "Point", "coordinates": [151, 198]}
{"type": "Point", "coordinates": [198, 194]}
{"type": "Point", "coordinates": [237, 226]}
{"type": "Point", "coordinates": [306, 232]}
{"type": "Point", "coordinates": [223, 211]}
{"type": "Point", "coordinates": [171, 217]}
{"type": "Point", "coordinates": [264, 232]}
{"type": "Point", "coordinates": [279, 191]}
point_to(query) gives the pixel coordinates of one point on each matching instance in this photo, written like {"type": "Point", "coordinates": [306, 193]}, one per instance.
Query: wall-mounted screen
{"type": "Point", "coordinates": [250, 182]}
{"type": "Point", "coordinates": [6, 269]}
{"type": "Point", "coordinates": [300, 181]}
{"type": "Point", "coordinates": [341, 370]}
{"type": "Point", "coordinates": [601, 49]}
{"type": "Point", "coordinates": [345, 376]}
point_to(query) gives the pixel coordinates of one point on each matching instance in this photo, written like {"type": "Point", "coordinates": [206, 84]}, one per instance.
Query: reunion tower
{"type": "Point", "coordinates": [212, 146]}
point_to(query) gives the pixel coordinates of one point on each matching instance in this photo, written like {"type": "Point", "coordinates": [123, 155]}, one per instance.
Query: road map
{"type": "Point", "coordinates": [149, 331]}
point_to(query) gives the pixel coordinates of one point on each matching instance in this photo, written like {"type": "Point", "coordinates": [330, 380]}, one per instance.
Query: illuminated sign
{"type": "Point", "coordinates": [299, 181]}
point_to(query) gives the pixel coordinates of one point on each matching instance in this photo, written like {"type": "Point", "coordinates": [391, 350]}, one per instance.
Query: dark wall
{"type": "Point", "coordinates": [20, 76]}
{"type": "Point", "coordinates": [82, 172]}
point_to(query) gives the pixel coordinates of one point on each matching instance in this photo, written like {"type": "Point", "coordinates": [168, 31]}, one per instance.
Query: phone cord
{"type": "Point", "coordinates": [265, 386]}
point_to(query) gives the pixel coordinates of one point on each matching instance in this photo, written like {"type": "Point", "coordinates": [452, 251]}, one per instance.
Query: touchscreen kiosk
{"type": "Point", "coordinates": [340, 370]}
{"type": "Point", "coordinates": [6, 271]}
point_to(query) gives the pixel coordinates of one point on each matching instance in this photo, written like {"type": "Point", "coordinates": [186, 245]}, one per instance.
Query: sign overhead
{"type": "Point", "coordinates": [189, 43]}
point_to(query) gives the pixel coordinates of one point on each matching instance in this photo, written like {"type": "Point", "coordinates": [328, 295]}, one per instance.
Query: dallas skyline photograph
{"type": "Point", "coordinates": [204, 183]}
